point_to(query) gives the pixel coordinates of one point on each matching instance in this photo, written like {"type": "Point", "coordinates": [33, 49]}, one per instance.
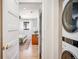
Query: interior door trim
{"type": "Point", "coordinates": [1, 11]}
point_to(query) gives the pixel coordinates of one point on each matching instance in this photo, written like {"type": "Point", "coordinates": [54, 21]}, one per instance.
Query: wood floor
{"type": "Point", "coordinates": [29, 51]}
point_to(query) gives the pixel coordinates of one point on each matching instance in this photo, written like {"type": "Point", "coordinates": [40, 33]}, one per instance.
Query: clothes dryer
{"type": "Point", "coordinates": [70, 19]}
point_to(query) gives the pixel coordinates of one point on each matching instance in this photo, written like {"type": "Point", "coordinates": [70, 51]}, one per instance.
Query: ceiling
{"type": "Point", "coordinates": [29, 6]}
{"type": "Point", "coordinates": [27, 9]}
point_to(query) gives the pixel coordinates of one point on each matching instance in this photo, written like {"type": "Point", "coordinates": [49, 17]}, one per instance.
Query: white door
{"type": "Point", "coordinates": [10, 29]}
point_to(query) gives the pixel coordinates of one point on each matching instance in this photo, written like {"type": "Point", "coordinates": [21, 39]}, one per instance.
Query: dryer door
{"type": "Point", "coordinates": [70, 17]}
{"type": "Point", "coordinates": [68, 55]}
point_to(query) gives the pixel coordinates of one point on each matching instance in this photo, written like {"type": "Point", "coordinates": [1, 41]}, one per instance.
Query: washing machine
{"type": "Point", "coordinates": [69, 49]}
{"type": "Point", "coordinates": [70, 29]}
{"type": "Point", "coordinates": [70, 19]}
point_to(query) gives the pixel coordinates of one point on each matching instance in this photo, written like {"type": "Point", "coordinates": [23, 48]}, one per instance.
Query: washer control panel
{"type": "Point", "coordinates": [70, 41]}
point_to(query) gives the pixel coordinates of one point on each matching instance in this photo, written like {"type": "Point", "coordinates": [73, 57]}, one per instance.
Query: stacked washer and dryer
{"type": "Point", "coordinates": [70, 29]}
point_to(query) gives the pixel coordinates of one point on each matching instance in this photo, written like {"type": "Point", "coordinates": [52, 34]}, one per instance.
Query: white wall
{"type": "Point", "coordinates": [50, 29]}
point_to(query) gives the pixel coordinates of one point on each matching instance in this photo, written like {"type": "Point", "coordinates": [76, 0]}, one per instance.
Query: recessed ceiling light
{"type": "Point", "coordinates": [24, 8]}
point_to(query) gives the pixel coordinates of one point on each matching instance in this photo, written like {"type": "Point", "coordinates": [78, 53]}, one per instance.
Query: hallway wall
{"type": "Point", "coordinates": [50, 29]}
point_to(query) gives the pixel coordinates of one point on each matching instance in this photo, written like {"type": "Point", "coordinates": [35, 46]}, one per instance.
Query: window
{"type": "Point", "coordinates": [26, 25]}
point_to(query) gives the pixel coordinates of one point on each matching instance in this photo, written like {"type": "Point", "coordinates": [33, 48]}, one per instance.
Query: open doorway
{"type": "Point", "coordinates": [29, 30]}
{"type": "Point", "coordinates": [30, 25]}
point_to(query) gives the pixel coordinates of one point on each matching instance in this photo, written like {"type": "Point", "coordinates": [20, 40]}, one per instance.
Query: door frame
{"type": "Point", "coordinates": [1, 39]}
{"type": "Point", "coordinates": [40, 34]}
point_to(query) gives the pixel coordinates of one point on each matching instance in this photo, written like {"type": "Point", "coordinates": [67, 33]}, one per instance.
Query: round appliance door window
{"type": "Point", "coordinates": [67, 55]}
{"type": "Point", "coordinates": [70, 17]}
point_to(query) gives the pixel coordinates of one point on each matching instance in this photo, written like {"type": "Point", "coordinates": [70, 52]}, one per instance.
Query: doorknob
{"type": "Point", "coordinates": [7, 47]}
{"type": "Point", "coordinates": [4, 47]}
